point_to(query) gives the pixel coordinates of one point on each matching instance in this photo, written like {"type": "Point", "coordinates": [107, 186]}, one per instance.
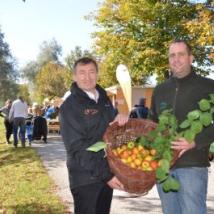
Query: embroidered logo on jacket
{"type": "Point", "coordinates": [91, 111]}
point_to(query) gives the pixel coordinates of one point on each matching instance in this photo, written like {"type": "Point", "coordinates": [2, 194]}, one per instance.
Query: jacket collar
{"type": "Point", "coordinates": [190, 76]}
{"type": "Point", "coordinates": [75, 90]}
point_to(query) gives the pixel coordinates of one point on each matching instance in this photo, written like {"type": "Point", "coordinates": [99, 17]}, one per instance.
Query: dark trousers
{"type": "Point", "coordinates": [9, 129]}
{"type": "Point", "coordinates": [92, 199]}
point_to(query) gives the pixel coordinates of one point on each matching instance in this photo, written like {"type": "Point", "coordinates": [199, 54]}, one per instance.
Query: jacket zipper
{"type": "Point", "coordinates": [175, 97]}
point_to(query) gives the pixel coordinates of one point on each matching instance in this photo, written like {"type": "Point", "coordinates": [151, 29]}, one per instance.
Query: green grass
{"type": "Point", "coordinates": [24, 184]}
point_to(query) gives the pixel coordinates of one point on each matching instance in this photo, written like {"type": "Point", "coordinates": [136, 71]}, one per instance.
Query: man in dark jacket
{"type": "Point", "coordinates": [181, 93]}
{"type": "Point", "coordinates": [84, 117]}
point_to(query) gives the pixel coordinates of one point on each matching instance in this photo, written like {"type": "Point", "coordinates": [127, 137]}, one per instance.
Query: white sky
{"type": "Point", "coordinates": [27, 25]}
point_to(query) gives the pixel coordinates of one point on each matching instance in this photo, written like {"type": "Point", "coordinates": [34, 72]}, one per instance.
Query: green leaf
{"type": "Point", "coordinates": [161, 175]}
{"type": "Point", "coordinates": [189, 135]}
{"type": "Point", "coordinates": [204, 105]}
{"type": "Point", "coordinates": [211, 98]}
{"type": "Point", "coordinates": [167, 155]}
{"type": "Point", "coordinates": [173, 121]}
{"type": "Point", "coordinates": [163, 119]}
{"type": "Point", "coordinates": [161, 127]}
{"type": "Point", "coordinates": [185, 124]}
{"type": "Point", "coordinates": [142, 140]}
{"type": "Point", "coordinates": [166, 185]}
{"type": "Point", "coordinates": [159, 140]}
{"type": "Point", "coordinates": [206, 118]}
{"type": "Point", "coordinates": [171, 184]}
{"type": "Point", "coordinates": [152, 134]}
{"type": "Point", "coordinates": [193, 115]}
{"type": "Point", "coordinates": [196, 127]}
{"type": "Point", "coordinates": [212, 110]}
{"type": "Point", "coordinates": [97, 147]}
{"type": "Point", "coordinates": [212, 148]}
{"type": "Point", "coordinates": [165, 165]}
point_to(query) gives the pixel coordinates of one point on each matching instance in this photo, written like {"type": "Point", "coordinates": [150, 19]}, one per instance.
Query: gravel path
{"type": "Point", "coordinates": [53, 156]}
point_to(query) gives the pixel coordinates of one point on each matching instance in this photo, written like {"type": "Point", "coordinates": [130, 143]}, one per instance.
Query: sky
{"type": "Point", "coordinates": [27, 24]}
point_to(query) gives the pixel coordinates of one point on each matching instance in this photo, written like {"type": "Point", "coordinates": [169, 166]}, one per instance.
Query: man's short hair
{"type": "Point", "coordinates": [85, 61]}
{"type": "Point", "coordinates": [188, 47]}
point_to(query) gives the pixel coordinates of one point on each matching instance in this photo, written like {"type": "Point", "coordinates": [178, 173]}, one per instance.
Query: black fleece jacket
{"type": "Point", "coordinates": [83, 123]}
{"type": "Point", "coordinates": [182, 95]}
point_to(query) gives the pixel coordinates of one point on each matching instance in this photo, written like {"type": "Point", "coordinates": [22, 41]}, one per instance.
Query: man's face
{"type": "Point", "coordinates": [86, 76]}
{"type": "Point", "coordinates": [179, 60]}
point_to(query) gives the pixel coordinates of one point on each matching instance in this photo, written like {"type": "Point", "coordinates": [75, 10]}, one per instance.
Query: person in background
{"type": "Point", "coordinates": [40, 128]}
{"type": "Point", "coordinates": [140, 110]}
{"type": "Point", "coordinates": [84, 117]}
{"type": "Point", "coordinates": [181, 93]}
{"type": "Point", "coordinates": [4, 112]}
{"type": "Point", "coordinates": [50, 112]}
{"type": "Point", "coordinates": [29, 130]}
{"type": "Point", "coordinates": [17, 114]}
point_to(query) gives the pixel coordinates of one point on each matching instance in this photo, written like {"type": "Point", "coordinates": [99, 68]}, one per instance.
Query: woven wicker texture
{"type": "Point", "coordinates": [134, 180]}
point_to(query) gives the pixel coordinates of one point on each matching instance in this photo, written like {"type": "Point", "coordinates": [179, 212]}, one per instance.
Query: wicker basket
{"type": "Point", "coordinates": [134, 180]}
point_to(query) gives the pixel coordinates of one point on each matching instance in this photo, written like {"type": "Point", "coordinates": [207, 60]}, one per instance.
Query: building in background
{"type": "Point", "coordinates": [116, 95]}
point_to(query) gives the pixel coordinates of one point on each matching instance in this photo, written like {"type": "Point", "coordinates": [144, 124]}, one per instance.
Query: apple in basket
{"type": "Point", "coordinates": [136, 156]}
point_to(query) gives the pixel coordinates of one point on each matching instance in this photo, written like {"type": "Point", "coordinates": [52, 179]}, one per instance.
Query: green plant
{"type": "Point", "coordinates": [166, 131]}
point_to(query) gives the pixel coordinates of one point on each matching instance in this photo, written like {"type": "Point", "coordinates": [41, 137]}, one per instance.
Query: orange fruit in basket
{"type": "Point", "coordinates": [140, 147]}
{"type": "Point", "coordinates": [133, 165]}
{"type": "Point", "coordinates": [137, 161]}
{"type": "Point", "coordinates": [154, 164]}
{"type": "Point", "coordinates": [144, 152]}
{"type": "Point", "coordinates": [145, 165]}
{"type": "Point", "coordinates": [124, 147]}
{"type": "Point", "coordinates": [135, 150]}
{"type": "Point", "coordinates": [133, 156]}
{"type": "Point", "coordinates": [124, 154]}
{"type": "Point", "coordinates": [129, 159]}
{"type": "Point", "coordinates": [153, 152]}
{"type": "Point", "coordinates": [148, 158]}
{"type": "Point", "coordinates": [119, 150]}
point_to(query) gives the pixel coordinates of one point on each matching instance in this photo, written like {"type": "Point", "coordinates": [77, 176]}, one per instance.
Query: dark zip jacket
{"type": "Point", "coordinates": [83, 123]}
{"type": "Point", "coordinates": [182, 95]}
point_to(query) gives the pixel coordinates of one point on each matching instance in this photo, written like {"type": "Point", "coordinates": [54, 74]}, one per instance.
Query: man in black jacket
{"type": "Point", "coordinates": [181, 93]}
{"type": "Point", "coordinates": [84, 117]}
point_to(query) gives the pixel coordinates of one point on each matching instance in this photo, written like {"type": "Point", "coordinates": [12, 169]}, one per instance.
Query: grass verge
{"type": "Point", "coordinates": [25, 187]}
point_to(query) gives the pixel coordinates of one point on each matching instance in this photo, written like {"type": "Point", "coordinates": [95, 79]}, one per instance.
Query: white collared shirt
{"type": "Point", "coordinates": [93, 96]}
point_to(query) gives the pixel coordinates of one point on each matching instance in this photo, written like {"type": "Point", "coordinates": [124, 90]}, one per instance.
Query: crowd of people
{"type": "Point", "coordinates": [26, 123]}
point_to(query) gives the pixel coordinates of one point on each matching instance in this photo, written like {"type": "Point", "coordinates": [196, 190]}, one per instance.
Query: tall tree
{"type": "Point", "coordinates": [138, 32]}
{"type": "Point", "coordinates": [24, 92]}
{"type": "Point", "coordinates": [76, 54]}
{"type": "Point", "coordinates": [8, 72]}
{"type": "Point", "coordinates": [49, 52]}
{"type": "Point", "coordinates": [52, 81]}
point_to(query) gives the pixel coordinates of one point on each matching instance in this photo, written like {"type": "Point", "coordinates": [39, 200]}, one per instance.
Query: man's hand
{"type": "Point", "coordinates": [114, 183]}
{"type": "Point", "coordinates": [121, 119]}
{"type": "Point", "coordinates": [183, 145]}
